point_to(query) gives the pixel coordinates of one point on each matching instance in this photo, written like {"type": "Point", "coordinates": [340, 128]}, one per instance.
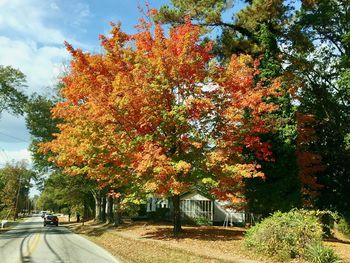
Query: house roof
{"type": "Point", "coordinates": [195, 195]}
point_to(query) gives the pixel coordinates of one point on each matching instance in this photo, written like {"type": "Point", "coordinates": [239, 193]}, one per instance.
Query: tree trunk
{"type": "Point", "coordinates": [110, 216]}
{"type": "Point", "coordinates": [97, 198]}
{"type": "Point", "coordinates": [177, 215]}
{"type": "Point", "coordinates": [103, 210]}
{"type": "Point", "coordinates": [117, 212]}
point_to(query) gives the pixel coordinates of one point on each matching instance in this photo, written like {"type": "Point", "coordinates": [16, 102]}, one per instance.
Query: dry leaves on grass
{"type": "Point", "coordinates": [143, 242]}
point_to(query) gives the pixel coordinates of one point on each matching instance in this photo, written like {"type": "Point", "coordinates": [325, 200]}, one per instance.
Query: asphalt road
{"type": "Point", "coordinates": [31, 242]}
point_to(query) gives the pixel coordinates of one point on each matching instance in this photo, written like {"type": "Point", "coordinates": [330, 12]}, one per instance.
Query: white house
{"type": "Point", "coordinates": [194, 205]}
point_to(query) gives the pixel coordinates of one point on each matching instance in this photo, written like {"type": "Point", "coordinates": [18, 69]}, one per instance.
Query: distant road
{"type": "Point", "coordinates": [31, 242]}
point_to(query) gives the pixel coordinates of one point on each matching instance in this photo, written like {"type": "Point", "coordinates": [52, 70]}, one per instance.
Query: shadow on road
{"type": "Point", "coordinates": [23, 232]}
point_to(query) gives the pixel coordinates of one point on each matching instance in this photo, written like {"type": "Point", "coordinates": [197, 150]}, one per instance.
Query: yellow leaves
{"type": "Point", "coordinates": [210, 182]}
{"type": "Point", "coordinates": [216, 158]}
{"type": "Point", "coordinates": [182, 167]}
{"type": "Point", "coordinates": [245, 59]}
{"type": "Point", "coordinates": [151, 186]}
{"type": "Point", "coordinates": [234, 199]}
{"type": "Point", "coordinates": [197, 145]}
{"type": "Point", "coordinates": [243, 170]}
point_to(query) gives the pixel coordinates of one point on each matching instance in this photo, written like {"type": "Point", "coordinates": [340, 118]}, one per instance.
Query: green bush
{"type": "Point", "coordinates": [327, 219]}
{"type": "Point", "coordinates": [202, 221]}
{"type": "Point", "coordinates": [318, 253]}
{"type": "Point", "coordinates": [343, 226]}
{"type": "Point", "coordinates": [285, 235]}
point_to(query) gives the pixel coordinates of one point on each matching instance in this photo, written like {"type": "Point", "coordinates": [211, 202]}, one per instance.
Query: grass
{"type": "Point", "coordinates": [10, 225]}
{"type": "Point", "coordinates": [142, 242]}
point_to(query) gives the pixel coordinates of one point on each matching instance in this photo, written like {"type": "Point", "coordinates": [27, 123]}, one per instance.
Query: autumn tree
{"type": "Point", "coordinates": [258, 28]}
{"type": "Point", "coordinates": [157, 113]}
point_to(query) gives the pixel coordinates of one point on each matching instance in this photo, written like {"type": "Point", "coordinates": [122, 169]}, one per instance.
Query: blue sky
{"type": "Point", "coordinates": [32, 33]}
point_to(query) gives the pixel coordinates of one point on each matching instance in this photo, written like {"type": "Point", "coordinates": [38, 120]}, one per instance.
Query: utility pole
{"type": "Point", "coordinates": [17, 197]}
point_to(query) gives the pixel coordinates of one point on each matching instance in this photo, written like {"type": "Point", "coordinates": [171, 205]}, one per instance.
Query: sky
{"type": "Point", "coordinates": [32, 33]}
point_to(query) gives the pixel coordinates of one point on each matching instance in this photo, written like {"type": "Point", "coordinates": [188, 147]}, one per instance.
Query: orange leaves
{"type": "Point", "coordinates": [196, 107]}
{"type": "Point", "coordinates": [246, 107]}
{"type": "Point", "coordinates": [155, 110]}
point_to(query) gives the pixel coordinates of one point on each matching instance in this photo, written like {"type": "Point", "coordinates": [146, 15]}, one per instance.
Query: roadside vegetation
{"type": "Point", "coordinates": [15, 182]}
{"type": "Point", "coordinates": [146, 241]}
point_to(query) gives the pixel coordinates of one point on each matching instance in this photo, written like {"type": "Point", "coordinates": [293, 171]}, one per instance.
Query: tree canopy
{"type": "Point", "coordinates": [12, 98]}
{"type": "Point", "coordinates": [158, 110]}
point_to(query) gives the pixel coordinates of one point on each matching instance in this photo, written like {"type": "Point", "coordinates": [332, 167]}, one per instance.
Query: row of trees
{"type": "Point", "coordinates": [15, 183]}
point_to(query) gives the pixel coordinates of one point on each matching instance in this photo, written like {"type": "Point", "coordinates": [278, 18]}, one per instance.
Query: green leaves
{"type": "Point", "coordinates": [11, 98]}
{"type": "Point", "coordinates": [207, 10]}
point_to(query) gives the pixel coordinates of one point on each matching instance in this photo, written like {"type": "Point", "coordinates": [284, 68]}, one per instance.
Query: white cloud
{"type": "Point", "coordinates": [30, 43]}
{"type": "Point", "coordinates": [27, 18]}
{"type": "Point", "coordinates": [32, 36]}
{"type": "Point", "coordinates": [39, 64]}
{"type": "Point", "coordinates": [14, 156]}
{"type": "Point", "coordinates": [81, 12]}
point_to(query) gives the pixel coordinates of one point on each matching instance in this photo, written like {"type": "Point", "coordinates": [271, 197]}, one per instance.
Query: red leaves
{"type": "Point", "coordinates": [154, 110]}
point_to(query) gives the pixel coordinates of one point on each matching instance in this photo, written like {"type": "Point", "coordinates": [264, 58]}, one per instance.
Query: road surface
{"type": "Point", "coordinates": [31, 242]}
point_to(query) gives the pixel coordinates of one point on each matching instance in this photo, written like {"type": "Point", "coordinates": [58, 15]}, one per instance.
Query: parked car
{"type": "Point", "coordinates": [50, 220]}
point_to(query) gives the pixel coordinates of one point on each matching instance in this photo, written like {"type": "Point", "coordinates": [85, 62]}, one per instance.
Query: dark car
{"type": "Point", "coordinates": [50, 220]}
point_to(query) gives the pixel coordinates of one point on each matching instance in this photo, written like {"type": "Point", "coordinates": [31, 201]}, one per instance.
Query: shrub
{"type": "Point", "coordinates": [318, 253]}
{"type": "Point", "coordinates": [202, 221]}
{"type": "Point", "coordinates": [285, 235]}
{"type": "Point", "coordinates": [343, 226]}
{"type": "Point", "coordinates": [326, 219]}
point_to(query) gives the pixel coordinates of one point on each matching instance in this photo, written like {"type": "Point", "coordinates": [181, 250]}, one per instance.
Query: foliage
{"type": "Point", "coordinates": [41, 127]}
{"type": "Point", "coordinates": [280, 190]}
{"type": "Point", "coordinates": [202, 221]}
{"type": "Point", "coordinates": [285, 235]}
{"type": "Point", "coordinates": [199, 10]}
{"type": "Point", "coordinates": [258, 33]}
{"type": "Point", "coordinates": [11, 98]}
{"type": "Point", "coordinates": [15, 182]}
{"type": "Point", "coordinates": [318, 253]}
{"type": "Point", "coordinates": [307, 42]}
{"type": "Point", "coordinates": [64, 192]}
{"type": "Point", "coordinates": [324, 66]}
{"type": "Point", "coordinates": [155, 112]}
{"type": "Point", "coordinates": [343, 226]}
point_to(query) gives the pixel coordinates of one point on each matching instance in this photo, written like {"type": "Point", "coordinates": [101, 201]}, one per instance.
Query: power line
{"type": "Point", "coordinates": [14, 137]}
